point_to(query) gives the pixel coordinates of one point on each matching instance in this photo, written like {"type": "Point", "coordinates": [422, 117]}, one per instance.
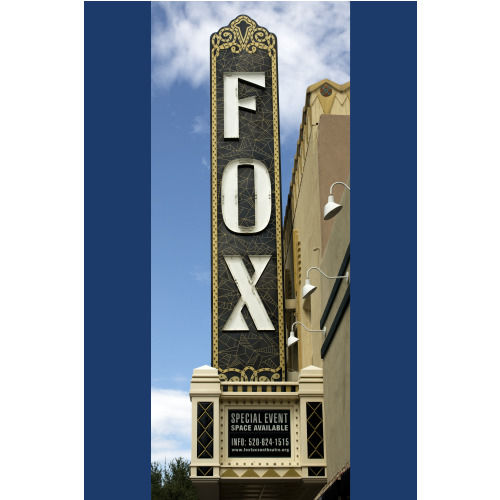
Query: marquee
{"type": "Point", "coordinates": [247, 283]}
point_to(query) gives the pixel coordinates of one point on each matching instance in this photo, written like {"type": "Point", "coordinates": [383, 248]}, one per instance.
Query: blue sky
{"type": "Point", "coordinates": [313, 43]}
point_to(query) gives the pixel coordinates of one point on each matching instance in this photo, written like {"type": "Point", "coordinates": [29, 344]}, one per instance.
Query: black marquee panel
{"type": "Point", "coordinates": [253, 354]}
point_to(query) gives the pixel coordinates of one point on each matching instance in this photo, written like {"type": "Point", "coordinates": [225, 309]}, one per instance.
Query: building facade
{"type": "Point", "coordinates": [261, 425]}
{"type": "Point", "coordinates": [309, 241]}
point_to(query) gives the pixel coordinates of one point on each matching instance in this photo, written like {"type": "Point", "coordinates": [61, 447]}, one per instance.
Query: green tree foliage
{"type": "Point", "coordinates": [171, 482]}
{"type": "Point", "coordinates": [156, 481]}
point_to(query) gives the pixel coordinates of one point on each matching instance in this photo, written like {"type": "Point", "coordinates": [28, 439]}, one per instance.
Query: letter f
{"type": "Point", "coordinates": [232, 103]}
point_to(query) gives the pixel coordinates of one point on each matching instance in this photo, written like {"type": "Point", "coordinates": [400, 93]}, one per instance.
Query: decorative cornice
{"type": "Point", "coordinates": [336, 86]}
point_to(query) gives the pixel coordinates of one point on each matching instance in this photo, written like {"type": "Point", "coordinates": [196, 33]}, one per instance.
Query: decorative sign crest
{"type": "Point", "coordinates": [244, 34]}
{"type": "Point", "coordinates": [247, 284]}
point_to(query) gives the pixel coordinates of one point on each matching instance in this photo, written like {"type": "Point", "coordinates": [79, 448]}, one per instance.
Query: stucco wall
{"type": "Point", "coordinates": [336, 363]}
{"type": "Point", "coordinates": [308, 223]}
{"type": "Point", "coordinates": [322, 158]}
{"type": "Point", "coordinates": [334, 157]}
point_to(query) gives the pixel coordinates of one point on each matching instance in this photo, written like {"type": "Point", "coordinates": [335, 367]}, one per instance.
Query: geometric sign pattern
{"type": "Point", "coordinates": [204, 471]}
{"type": "Point", "coordinates": [316, 471]}
{"type": "Point", "coordinates": [205, 430]}
{"type": "Point", "coordinates": [252, 354]}
{"type": "Point", "coordinates": [314, 414]}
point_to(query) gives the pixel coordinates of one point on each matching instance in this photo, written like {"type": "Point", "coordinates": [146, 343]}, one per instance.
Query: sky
{"type": "Point", "coordinates": [313, 44]}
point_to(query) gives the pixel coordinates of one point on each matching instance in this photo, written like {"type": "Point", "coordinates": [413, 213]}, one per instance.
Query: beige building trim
{"type": "Point", "coordinates": [255, 472]}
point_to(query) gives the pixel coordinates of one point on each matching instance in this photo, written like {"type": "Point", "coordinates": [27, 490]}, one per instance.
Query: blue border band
{"type": "Point", "coordinates": [117, 250]}
{"type": "Point", "coordinates": [384, 250]}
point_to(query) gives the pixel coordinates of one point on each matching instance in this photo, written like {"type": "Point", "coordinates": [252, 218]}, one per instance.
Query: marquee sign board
{"type": "Point", "coordinates": [247, 283]}
{"type": "Point", "coordinates": [259, 433]}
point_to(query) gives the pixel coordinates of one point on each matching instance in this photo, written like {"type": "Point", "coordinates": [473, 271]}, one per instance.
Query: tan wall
{"type": "Point", "coordinates": [334, 159]}
{"type": "Point", "coordinates": [307, 222]}
{"type": "Point", "coordinates": [322, 158]}
{"type": "Point", "coordinates": [336, 364]}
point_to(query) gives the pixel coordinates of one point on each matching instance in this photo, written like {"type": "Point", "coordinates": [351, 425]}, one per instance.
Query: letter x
{"type": "Point", "coordinates": [249, 294]}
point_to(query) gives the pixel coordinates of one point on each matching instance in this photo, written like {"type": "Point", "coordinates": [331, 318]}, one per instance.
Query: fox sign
{"type": "Point", "coordinates": [247, 282]}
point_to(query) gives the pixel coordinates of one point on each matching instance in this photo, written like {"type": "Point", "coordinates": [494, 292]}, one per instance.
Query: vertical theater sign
{"type": "Point", "coordinates": [252, 430]}
{"type": "Point", "coordinates": [247, 309]}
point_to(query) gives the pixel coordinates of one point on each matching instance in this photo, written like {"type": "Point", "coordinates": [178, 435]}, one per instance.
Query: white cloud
{"type": "Point", "coordinates": [200, 125]}
{"type": "Point", "coordinates": [313, 43]}
{"type": "Point", "coordinates": [205, 163]}
{"type": "Point", "coordinates": [170, 425]}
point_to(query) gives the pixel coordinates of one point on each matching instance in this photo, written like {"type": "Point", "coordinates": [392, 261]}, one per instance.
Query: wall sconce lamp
{"type": "Point", "coordinates": [292, 339]}
{"type": "Point", "coordinates": [332, 208]}
{"type": "Point", "coordinates": [308, 288]}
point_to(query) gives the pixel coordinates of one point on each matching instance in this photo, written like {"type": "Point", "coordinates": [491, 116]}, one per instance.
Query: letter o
{"type": "Point", "coordinates": [229, 196]}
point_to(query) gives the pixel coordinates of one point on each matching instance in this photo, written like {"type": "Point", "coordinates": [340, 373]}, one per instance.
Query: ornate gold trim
{"type": "Point", "coordinates": [250, 39]}
{"type": "Point", "coordinates": [254, 377]}
{"type": "Point", "coordinates": [215, 278]}
{"type": "Point", "coordinates": [277, 201]}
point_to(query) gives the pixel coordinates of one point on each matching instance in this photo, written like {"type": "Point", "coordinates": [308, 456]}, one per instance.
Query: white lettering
{"type": "Point", "coordinates": [232, 103]}
{"type": "Point", "coordinates": [229, 196]}
{"type": "Point", "coordinates": [249, 294]}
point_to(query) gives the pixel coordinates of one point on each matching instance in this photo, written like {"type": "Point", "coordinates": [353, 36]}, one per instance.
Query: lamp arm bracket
{"type": "Point", "coordinates": [335, 183]}
{"type": "Point", "coordinates": [300, 323]}
{"type": "Point", "coordinates": [329, 277]}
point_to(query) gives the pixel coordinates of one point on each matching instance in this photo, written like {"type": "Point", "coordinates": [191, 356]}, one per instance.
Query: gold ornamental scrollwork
{"type": "Point", "coordinates": [243, 34]}
{"type": "Point", "coordinates": [255, 375]}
